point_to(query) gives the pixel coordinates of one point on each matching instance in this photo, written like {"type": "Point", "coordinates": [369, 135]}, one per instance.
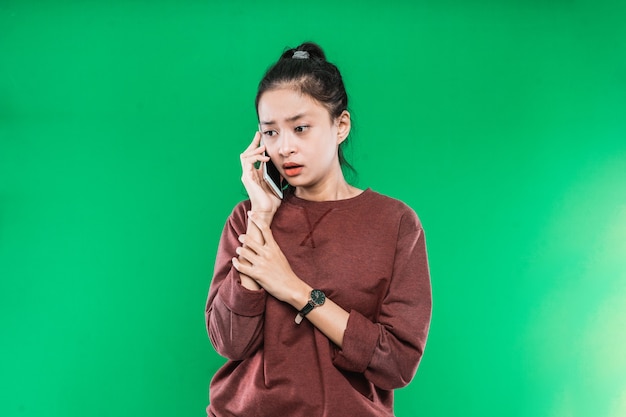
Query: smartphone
{"type": "Point", "coordinates": [272, 177]}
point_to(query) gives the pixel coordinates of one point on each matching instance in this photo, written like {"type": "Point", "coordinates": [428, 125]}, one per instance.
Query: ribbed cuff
{"type": "Point", "coordinates": [359, 342]}
{"type": "Point", "coordinates": [241, 300]}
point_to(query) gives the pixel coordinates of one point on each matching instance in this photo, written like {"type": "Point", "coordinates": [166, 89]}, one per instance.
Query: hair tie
{"type": "Point", "coordinates": [300, 55]}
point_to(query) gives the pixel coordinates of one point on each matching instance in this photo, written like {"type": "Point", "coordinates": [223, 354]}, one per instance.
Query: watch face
{"type": "Point", "coordinates": [318, 297]}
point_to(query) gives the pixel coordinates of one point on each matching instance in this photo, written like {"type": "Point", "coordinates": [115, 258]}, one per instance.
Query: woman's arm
{"type": "Point", "coordinates": [263, 260]}
{"type": "Point", "coordinates": [389, 350]}
{"type": "Point", "coordinates": [236, 302]}
{"type": "Point", "coordinates": [233, 313]}
{"type": "Point", "coordinates": [262, 200]}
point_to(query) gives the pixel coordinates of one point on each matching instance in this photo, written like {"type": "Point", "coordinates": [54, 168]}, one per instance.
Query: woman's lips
{"type": "Point", "coordinates": [291, 169]}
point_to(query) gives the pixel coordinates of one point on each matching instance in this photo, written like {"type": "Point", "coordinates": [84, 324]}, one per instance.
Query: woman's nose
{"type": "Point", "coordinates": [287, 145]}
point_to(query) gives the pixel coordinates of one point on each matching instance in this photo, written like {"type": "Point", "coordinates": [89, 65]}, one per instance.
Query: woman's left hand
{"type": "Point", "coordinates": [269, 267]}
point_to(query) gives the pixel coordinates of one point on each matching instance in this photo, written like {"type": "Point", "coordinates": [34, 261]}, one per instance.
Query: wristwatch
{"type": "Point", "coordinates": [316, 299]}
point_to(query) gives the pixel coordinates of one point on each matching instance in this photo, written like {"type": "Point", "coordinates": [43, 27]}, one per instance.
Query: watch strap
{"type": "Point", "coordinates": [305, 310]}
{"type": "Point", "coordinates": [317, 299]}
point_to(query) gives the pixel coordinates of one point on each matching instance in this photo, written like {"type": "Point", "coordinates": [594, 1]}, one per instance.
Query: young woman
{"type": "Point", "coordinates": [321, 301]}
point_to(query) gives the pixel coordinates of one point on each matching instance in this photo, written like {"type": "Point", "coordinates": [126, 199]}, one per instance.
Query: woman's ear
{"type": "Point", "coordinates": [343, 126]}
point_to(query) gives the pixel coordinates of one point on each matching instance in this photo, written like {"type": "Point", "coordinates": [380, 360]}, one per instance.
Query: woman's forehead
{"type": "Point", "coordinates": [287, 105]}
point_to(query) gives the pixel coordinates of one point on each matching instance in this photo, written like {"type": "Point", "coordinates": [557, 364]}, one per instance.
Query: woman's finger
{"type": "Point", "coordinates": [253, 156]}
{"type": "Point", "coordinates": [240, 266]}
{"type": "Point", "coordinates": [254, 150]}
{"type": "Point", "coordinates": [247, 254]}
{"type": "Point", "coordinates": [250, 243]}
{"type": "Point", "coordinates": [248, 161]}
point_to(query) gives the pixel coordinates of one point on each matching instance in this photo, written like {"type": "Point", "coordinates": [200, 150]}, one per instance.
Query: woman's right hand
{"type": "Point", "coordinates": [261, 197]}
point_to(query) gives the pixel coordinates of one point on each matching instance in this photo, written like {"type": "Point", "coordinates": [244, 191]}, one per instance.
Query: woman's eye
{"type": "Point", "coordinates": [269, 133]}
{"type": "Point", "coordinates": [300, 129]}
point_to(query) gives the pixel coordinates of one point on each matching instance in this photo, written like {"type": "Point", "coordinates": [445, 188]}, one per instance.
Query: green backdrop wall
{"type": "Point", "coordinates": [503, 124]}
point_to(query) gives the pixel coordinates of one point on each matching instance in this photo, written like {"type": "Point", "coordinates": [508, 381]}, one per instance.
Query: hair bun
{"type": "Point", "coordinates": [308, 50]}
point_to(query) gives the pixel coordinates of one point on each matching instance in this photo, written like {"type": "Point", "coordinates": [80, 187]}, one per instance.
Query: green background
{"type": "Point", "coordinates": [503, 124]}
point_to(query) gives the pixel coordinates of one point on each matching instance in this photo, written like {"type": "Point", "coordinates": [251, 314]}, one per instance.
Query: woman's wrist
{"type": "Point", "coordinates": [300, 296]}
{"type": "Point", "coordinates": [265, 215]}
{"type": "Point", "coordinates": [249, 283]}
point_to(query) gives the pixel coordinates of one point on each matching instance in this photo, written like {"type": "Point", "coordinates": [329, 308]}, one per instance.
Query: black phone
{"type": "Point", "coordinates": [273, 178]}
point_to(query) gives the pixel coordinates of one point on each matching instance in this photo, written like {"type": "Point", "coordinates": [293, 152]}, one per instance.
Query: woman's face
{"type": "Point", "coordinates": [301, 138]}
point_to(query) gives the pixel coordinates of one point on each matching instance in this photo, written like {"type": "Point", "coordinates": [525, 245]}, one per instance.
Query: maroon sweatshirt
{"type": "Point", "coordinates": [368, 255]}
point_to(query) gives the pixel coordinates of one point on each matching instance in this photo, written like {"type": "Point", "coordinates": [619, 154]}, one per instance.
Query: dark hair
{"type": "Point", "coordinates": [310, 73]}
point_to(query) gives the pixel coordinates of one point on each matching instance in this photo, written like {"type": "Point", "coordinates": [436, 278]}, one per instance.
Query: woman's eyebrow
{"type": "Point", "coordinates": [289, 119]}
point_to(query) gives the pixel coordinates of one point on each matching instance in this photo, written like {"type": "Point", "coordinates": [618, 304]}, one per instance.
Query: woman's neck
{"type": "Point", "coordinates": [340, 190]}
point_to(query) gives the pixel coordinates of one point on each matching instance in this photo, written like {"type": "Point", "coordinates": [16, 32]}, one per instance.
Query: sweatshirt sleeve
{"type": "Point", "coordinates": [233, 314]}
{"type": "Point", "coordinates": [388, 351]}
